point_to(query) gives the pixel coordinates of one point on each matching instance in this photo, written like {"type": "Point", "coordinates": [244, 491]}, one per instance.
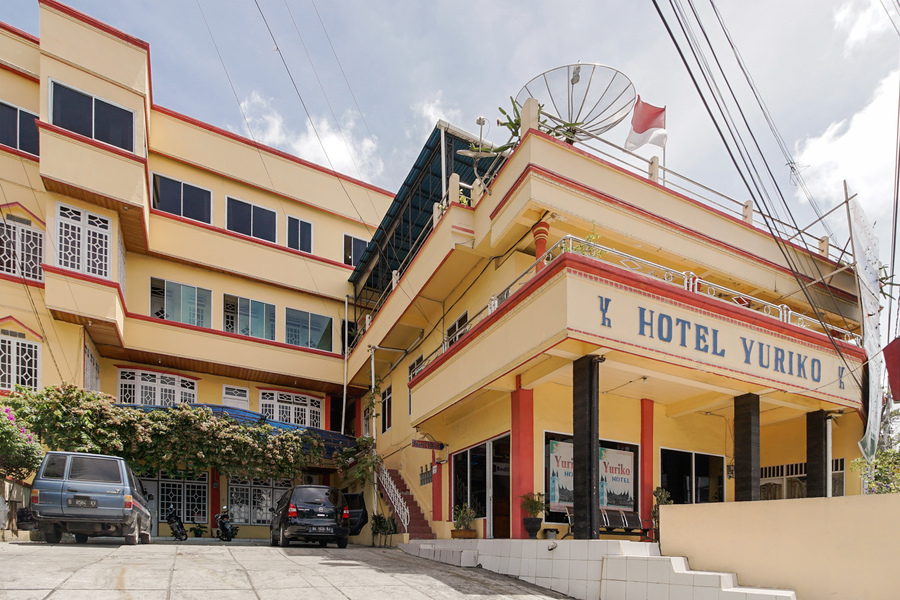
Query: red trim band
{"type": "Point", "coordinates": [23, 326]}
{"type": "Point", "coordinates": [20, 205]}
{"type": "Point", "coordinates": [20, 279]}
{"type": "Point", "coordinates": [22, 34]}
{"type": "Point", "coordinates": [20, 72]}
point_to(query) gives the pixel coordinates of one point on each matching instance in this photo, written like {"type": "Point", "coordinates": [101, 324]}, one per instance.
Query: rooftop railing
{"type": "Point", "coordinates": [684, 280]}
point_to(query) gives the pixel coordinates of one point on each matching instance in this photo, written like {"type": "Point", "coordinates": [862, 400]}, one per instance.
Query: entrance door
{"type": "Point", "coordinates": [152, 487]}
{"type": "Point", "coordinates": [500, 488]}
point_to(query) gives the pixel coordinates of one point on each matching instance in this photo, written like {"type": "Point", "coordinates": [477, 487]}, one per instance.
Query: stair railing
{"type": "Point", "coordinates": [401, 510]}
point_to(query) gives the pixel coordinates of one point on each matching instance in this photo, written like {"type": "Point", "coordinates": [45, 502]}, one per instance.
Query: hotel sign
{"type": "Point", "coordinates": [425, 444]}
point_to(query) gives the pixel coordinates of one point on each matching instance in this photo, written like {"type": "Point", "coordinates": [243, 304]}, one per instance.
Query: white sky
{"type": "Point", "coordinates": [827, 70]}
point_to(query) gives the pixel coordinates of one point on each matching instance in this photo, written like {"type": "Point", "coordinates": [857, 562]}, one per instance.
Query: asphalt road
{"type": "Point", "coordinates": [105, 570]}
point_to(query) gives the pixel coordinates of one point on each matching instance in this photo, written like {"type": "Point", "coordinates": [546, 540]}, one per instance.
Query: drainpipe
{"type": "Point", "coordinates": [372, 426]}
{"type": "Point", "coordinates": [346, 358]}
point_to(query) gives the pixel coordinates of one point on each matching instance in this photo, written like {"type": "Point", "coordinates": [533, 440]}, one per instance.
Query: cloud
{"type": "Point", "coordinates": [861, 21]}
{"type": "Point", "coordinates": [860, 150]}
{"type": "Point", "coordinates": [428, 112]}
{"type": "Point", "coordinates": [341, 149]}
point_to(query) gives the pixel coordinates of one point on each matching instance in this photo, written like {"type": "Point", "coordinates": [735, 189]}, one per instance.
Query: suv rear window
{"type": "Point", "coordinates": [316, 495]}
{"type": "Point", "coordinates": [55, 467]}
{"type": "Point", "coordinates": [90, 468]}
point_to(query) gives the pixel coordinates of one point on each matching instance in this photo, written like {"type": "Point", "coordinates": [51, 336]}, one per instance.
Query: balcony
{"type": "Point", "coordinates": [94, 303]}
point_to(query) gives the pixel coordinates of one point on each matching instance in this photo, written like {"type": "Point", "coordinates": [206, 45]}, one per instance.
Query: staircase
{"type": "Point", "coordinates": [418, 527]}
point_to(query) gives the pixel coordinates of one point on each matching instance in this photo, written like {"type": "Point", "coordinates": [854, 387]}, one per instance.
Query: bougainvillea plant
{"type": "Point", "coordinates": [20, 453]}
{"type": "Point", "coordinates": [66, 417]}
{"type": "Point", "coordinates": [881, 475]}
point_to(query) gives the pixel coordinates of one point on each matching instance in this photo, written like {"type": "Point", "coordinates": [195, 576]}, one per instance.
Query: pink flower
{"type": "Point", "coordinates": [11, 417]}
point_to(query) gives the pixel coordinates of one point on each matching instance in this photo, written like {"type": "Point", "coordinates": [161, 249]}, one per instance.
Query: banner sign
{"type": "Point", "coordinates": [616, 477]}
{"type": "Point", "coordinates": [425, 444]}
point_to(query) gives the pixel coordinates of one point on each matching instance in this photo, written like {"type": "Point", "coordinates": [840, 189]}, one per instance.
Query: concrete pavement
{"type": "Point", "coordinates": [199, 570]}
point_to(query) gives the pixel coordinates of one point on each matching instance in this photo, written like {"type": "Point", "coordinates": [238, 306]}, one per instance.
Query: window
{"type": "Point", "coordinates": [308, 330]}
{"type": "Point", "coordinates": [55, 467]}
{"type": "Point", "coordinates": [92, 468]}
{"type": "Point", "coordinates": [182, 303]}
{"type": "Point", "coordinates": [155, 389]}
{"type": "Point", "coordinates": [251, 220]}
{"type": "Point", "coordinates": [386, 409]}
{"type": "Point", "coordinates": [286, 407]}
{"type": "Point", "coordinates": [92, 117]}
{"type": "Point", "coordinates": [353, 249]}
{"type": "Point", "coordinates": [19, 361]}
{"type": "Point", "coordinates": [83, 241]}
{"type": "Point", "coordinates": [18, 129]}
{"type": "Point", "coordinates": [188, 494]}
{"type": "Point", "coordinates": [249, 317]}
{"type": "Point", "coordinates": [470, 479]}
{"type": "Point", "coordinates": [182, 199]}
{"type": "Point", "coordinates": [299, 235]}
{"type": "Point", "coordinates": [249, 500]}
{"type": "Point", "coordinates": [691, 477]}
{"type": "Point", "coordinates": [778, 482]}
{"type": "Point", "coordinates": [458, 329]}
{"type": "Point", "coordinates": [238, 397]}
{"type": "Point", "coordinates": [618, 480]}
{"type": "Point", "coordinates": [414, 368]}
{"type": "Point", "coordinates": [21, 249]}
{"type": "Point", "coordinates": [91, 370]}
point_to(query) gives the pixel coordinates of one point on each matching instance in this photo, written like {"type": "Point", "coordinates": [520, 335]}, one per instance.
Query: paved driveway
{"type": "Point", "coordinates": [105, 570]}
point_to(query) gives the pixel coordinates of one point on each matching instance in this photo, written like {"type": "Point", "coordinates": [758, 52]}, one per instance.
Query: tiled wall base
{"type": "Point", "coordinates": [593, 569]}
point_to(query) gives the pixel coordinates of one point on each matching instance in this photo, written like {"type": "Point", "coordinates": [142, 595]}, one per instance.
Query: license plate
{"type": "Point", "coordinates": [81, 502]}
{"type": "Point", "coordinates": [315, 529]}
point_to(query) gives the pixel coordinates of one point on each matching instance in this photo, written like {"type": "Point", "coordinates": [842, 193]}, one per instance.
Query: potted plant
{"type": "Point", "coordinates": [198, 529]}
{"type": "Point", "coordinates": [662, 498]}
{"type": "Point", "coordinates": [463, 515]}
{"type": "Point", "coordinates": [533, 505]}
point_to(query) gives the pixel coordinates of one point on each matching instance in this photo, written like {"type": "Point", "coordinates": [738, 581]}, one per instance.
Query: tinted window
{"type": "Point", "coordinates": [113, 125]}
{"type": "Point", "coordinates": [355, 501]}
{"type": "Point", "coordinates": [167, 194]}
{"type": "Point", "coordinates": [196, 203]}
{"type": "Point", "coordinates": [72, 110]}
{"type": "Point", "coordinates": [263, 224]}
{"type": "Point", "coordinates": [55, 466]}
{"type": "Point", "coordinates": [240, 216]}
{"type": "Point", "coordinates": [8, 116]}
{"type": "Point", "coordinates": [316, 495]}
{"type": "Point", "coordinates": [28, 133]}
{"type": "Point", "coordinates": [299, 235]}
{"type": "Point", "coordinates": [320, 332]}
{"type": "Point", "coordinates": [90, 468]}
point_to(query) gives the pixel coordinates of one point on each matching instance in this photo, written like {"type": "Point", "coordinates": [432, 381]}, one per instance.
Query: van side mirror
{"type": "Point", "coordinates": [149, 496]}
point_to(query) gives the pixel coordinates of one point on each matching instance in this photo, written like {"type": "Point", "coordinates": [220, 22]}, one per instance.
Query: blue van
{"type": "Point", "coordinates": [89, 495]}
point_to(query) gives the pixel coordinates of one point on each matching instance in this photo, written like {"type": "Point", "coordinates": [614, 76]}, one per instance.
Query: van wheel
{"type": "Point", "coordinates": [282, 539]}
{"type": "Point", "coordinates": [273, 539]}
{"type": "Point", "coordinates": [323, 543]}
{"type": "Point", "coordinates": [342, 542]}
{"type": "Point", "coordinates": [81, 538]}
{"type": "Point", "coordinates": [131, 534]}
{"type": "Point", "coordinates": [145, 537]}
{"type": "Point", "coordinates": [53, 535]}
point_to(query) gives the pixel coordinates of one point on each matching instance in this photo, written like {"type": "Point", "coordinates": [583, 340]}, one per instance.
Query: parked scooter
{"type": "Point", "coordinates": [175, 524]}
{"type": "Point", "coordinates": [226, 531]}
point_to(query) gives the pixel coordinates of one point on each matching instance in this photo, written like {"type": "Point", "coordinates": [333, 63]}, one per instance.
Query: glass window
{"type": "Point", "coordinates": [93, 117]}
{"type": "Point", "coordinates": [251, 220]}
{"type": "Point", "coordinates": [458, 329]}
{"type": "Point", "coordinates": [181, 303]}
{"type": "Point", "coordinates": [249, 317]}
{"type": "Point", "coordinates": [83, 241]}
{"type": "Point", "coordinates": [470, 479]}
{"type": "Point", "coordinates": [692, 477]}
{"type": "Point", "coordinates": [152, 388]}
{"type": "Point", "coordinates": [55, 467]}
{"type": "Point", "coordinates": [249, 500]}
{"type": "Point", "coordinates": [353, 249]}
{"type": "Point", "coordinates": [91, 468]}
{"type": "Point", "coordinates": [19, 361]}
{"type": "Point", "coordinates": [308, 330]}
{"type": "Point", "coordinates": [299, 235]}
{"type": "Point", "coordinates": [18, 129]}
{"type": "Point", "coordinates": [386, 409]}
{"type": "Point", "coordinates": [182, 199]}
{"type": "Point", "coordinates": [187, 495]}
{"type": "Point", "coordinates": [21, 250]}
{"type": "Point", "coordinates": [288, 407]}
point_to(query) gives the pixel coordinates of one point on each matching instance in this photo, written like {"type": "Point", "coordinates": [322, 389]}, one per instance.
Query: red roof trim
{"type": "Point", "coordinates": [22, 34]}
{"type": "Point", "coordinates": [247, 238]}
{"type": "Point", "coordinates": [19, 204]}
{"type": "Point", "coordinates": [140, 367]}
{"type": "Point", "coordinates": [23, 326]}
{"type": "Point", "coordinates": [19, 72]}
{"type": "Point", "coordinates": [275, 152]}
{"type": "Point", "coordinates": [91, 142]}
{"type": "Point", "coordinates": [80, 16]}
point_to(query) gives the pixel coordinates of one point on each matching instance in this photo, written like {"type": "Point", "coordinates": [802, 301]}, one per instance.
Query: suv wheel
{"type": "Point", "coordinates": [81, 538]}
{"type": "Point", "coordinates": [272, 537]}
{"type": "Point", "coordinates": [145, 537]}
{"type": "Point", "coordinates": [53, 535]}
{"type": "Point", "coordinates": [131, 534]}
{"type": "Point", "coordinates": [282, 539]}
{"type": "Point", "coordinates": [342, 542]}
{"type": "Point", "coordinates": [323, 543]}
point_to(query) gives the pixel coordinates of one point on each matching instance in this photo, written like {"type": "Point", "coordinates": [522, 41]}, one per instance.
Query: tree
{"type": "Point", "coordinates": [20, 453]}
{"type": "Point", "coordinates": [881, 475]}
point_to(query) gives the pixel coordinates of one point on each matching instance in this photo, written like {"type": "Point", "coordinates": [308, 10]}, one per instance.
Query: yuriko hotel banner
{"type": "Point", "coordinates": [756, 348]}
{"type": "Point", "coordinates": [616, 477]}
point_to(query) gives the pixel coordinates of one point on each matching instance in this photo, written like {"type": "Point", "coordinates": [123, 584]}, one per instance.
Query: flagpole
{"type": "Point", "coordinates": [664, 167]}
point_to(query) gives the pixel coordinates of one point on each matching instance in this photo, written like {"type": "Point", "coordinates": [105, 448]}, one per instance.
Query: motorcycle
{"type": "Point", "coordinates": [175, 524]}
{"type": "Point", "coordinates": [226, 531]}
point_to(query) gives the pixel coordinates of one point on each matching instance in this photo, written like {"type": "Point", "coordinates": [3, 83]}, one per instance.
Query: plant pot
{"type": "Point", "coordinates": [197, 532]}
{"type": "Point", "coordinates": [532, 526]}
{"type": "Point", "coordinates": [462, 533]}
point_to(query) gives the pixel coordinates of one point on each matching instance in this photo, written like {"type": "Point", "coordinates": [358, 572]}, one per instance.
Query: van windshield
{"type": "Point", "coordinates": [315, 495]}
{"type": "Point", "coordinates": [91, 468]}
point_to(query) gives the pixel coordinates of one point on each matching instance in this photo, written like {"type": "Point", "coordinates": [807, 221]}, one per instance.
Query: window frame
{"type": "Point", "coordinates": [185, 388]}
{"type": "Point", "coordinates": [237, 327]}
{"type": "Point", "coordinates": [20, 230]}
{"type": "Point", "coordinates": [353, 260]}
{"type": "Point", "coordinates": [252, 205]}
{"type": "Point", "coordinates": [83, 226]}
{"type": "Point", "coordinates": [19, 111]}
{"type": "Point", "coordinates": [387, 402]}
{"type": "Point", "coordinates": [292, 401]}
{"type": "Point", "coordinates": [694, 454]}
{"type": "Point", "coordinates": [309, 316]}
{"type": "Point", "coordinates": [134, 130]}
{"type": "Point", "coordinates": [234, 399]}
{"type": "Point", "coordinates": [460, 331]}
{"type": "Point", "coordinates": [196, 304]}
{"type": "Point", "coordinates": [16, 373]}
{"type": "Point", "coordinates": [415, 367]}
{"type": "Point", "coordinates": [257, 515]}
{"type": "Point", "coordinates": [312, 234]}
{"type": "Point", "coordinates": [212, 204]}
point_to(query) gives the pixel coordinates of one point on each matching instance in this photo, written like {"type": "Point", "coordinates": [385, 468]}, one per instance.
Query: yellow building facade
{"type": "Point", "coordinates": [505, 319]}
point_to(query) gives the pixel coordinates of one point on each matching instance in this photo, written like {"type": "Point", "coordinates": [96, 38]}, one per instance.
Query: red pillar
{"type": "Point", "coordinates": [326, 413]}
{"type": "Point", "coordinates": [214, 495]}
{"type": "Point", "coordinates": [437, 490]}
{"type": "Point", "coordinates": [522, 456]}
{"type": "Point", "coordinates": [540, 231]}
{"type": "Point", "coordinates": [647, 457]}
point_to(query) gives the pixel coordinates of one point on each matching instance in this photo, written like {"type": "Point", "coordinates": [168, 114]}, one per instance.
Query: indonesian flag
{"type": "Point", "coordinates": [648, 126]}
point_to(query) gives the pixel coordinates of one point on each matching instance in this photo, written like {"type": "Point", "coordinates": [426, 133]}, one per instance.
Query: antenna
{"type": "Point", "coordinates": [586, 98]}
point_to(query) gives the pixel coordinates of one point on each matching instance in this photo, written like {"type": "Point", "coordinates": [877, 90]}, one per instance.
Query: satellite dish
{"type": "Point", "coordinates": [593, 97]}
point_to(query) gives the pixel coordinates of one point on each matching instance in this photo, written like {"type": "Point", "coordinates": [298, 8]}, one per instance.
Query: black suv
{"type": "Point", "coordinates": [316, 513]}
